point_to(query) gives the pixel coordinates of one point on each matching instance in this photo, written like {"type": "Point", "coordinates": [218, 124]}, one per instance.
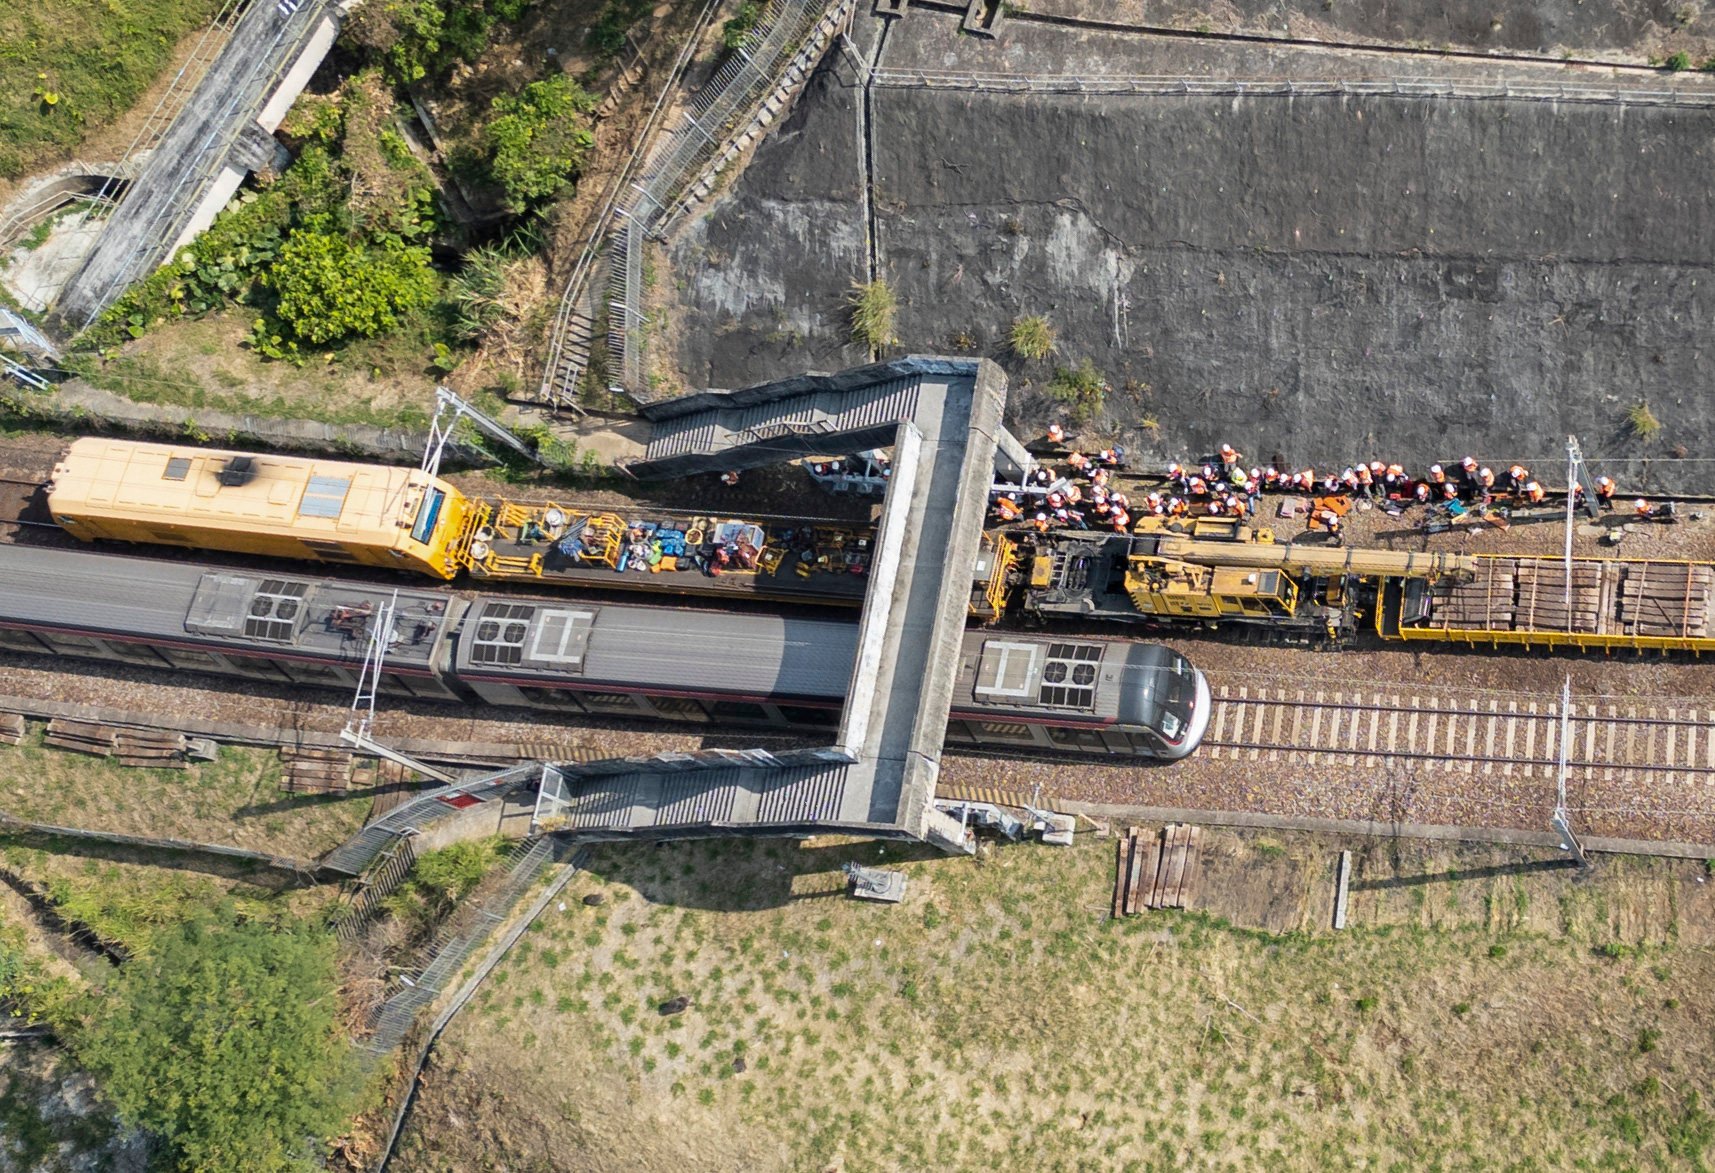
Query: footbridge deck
{"type": "Point", "coordinates": [943, 418]}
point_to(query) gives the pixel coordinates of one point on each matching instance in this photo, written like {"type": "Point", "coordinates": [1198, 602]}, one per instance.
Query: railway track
{"type": "Point", "coordinates": [1506, 738]}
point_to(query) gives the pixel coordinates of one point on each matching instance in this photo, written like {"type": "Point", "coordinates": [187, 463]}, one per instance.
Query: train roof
{"type": "Point", "coordinates": [211, 488]}
{"type": "Point", "coordinates": [1098, 679]}
{"type": "Point", "coordinates": [657, 647]}
{"type": "Point", "coordinates": [75, 591]}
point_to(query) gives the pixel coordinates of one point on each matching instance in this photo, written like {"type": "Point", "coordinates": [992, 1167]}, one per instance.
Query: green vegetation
{"type": "Point", "coordinates": [538, 141]}
{"type": "Point", "coordinates": [235, 799]}
{"type": "Point", "coordinates": [1082, 388]}
{"type": "Point", "coordinates": [225, 1044]}
{"type": "Point", "coordinates": [873, 309]}
{"type": "Point", "coordinates": [93, 58]}
{"type": "Point", "coordinates": [334, 249]}
{"type": "Point", "coordinates": [607, 36]}
{"type": "Point", "coordinates": [440, 879]}
{"type": "Point", "coordinates": [330, 289]}
{"type": "Point", "coordinates": [1675, 62]}
{"type": "Point", "coordinates": [1031, 337]}
{"type": "Point", "coordinates": [734, 31]}
{"type": "Point", "coordinates": [421, 38]}
{"type": "Point", "coordinates": [1641, 421]}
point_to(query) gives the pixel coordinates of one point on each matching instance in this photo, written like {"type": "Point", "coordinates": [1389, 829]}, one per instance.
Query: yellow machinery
{"type": "Point", "coordinates": [284, 506]}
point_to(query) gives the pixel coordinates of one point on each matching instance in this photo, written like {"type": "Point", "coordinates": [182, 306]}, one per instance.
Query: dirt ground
{"type": "Point", "coordinates": [1482, 1005]}
{"type": "Point", "coordinates": [203, 363]}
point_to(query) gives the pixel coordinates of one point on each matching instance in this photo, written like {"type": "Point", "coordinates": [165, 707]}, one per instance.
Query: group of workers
{"type": "Point", "coordinates": [1081, 495]}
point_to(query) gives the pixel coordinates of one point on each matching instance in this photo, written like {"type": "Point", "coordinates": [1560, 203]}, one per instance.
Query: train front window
{"type": "Point", "coordinates": [428, 514]}
{"type": "Point", "coordinates": [1163, 691]}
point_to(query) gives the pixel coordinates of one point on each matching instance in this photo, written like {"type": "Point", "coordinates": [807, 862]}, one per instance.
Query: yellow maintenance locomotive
{"type": "Point", "coordinates": [284, 506]}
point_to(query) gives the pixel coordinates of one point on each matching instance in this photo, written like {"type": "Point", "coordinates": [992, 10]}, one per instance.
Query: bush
{"type": "Point", "coordinates": [224, 1044]}
{"type": "Point", "coordinates": [607, 36]}
{"type": "Point", "coordinates": [1031, 337]}
{"type": "Point", "coordinates": [1082, 387]}
{"type": "Point", "coordinates": [539, 139]}
{"type": "Point", "coordinates": [416, 38]}
{"type": "Point", "coordinates": [734, 30]}
{"type": "Point", "coordinates": [330, 289]}
{"type": "Point", "coordinates": [1677, 62]}
{"type": "Point", "coordinates": [439, 880]}
{"type": "Point", "coordinates": [1641, 421]}
{"type": "Point", "coordinates": [873, 308]}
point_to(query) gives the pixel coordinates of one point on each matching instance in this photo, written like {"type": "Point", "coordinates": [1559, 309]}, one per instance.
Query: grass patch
{"type": "Point", "coordinates": [1031, 337]}
{"type": "Point", "coordinates": [234, 800]}
{"type": "Point", "coordinates": [874, 308]}
{"type": "Point", "coordinates": [1082, 388]}
{"type": "Point", "coordinates": [822, 1025]}
{"type": "Point", "coordinates": [94, 58]}
{"type": "Point", "coordinates": [1642, 422]}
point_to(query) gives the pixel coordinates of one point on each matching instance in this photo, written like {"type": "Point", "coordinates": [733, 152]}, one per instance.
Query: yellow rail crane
{"type": "Point", "coordinates": [1219, 573]}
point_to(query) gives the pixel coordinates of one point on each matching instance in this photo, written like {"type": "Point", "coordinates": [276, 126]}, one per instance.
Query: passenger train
{"type": "Point", "coordinates": [1115, 698]}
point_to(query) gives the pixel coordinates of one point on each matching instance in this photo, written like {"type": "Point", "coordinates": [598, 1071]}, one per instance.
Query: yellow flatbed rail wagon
{"type": "Point", "coordinates": [248, 503]}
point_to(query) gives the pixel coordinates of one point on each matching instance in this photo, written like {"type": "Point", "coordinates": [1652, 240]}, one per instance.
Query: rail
{"type": "Point", "coordinates": [1179, 86]}
{"type": "Point", "coordinates": [1503, 738]}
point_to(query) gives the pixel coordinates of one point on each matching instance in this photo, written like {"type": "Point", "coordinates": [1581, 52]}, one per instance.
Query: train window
{"type": "Point", "coordinates": [1080, 738]}
{"type": "Point", "coordinates": [960, 732]}
{"type": "Point", "coordinates": [679, 708]}
{"type": "Point", "coordinates": [802, 715]}
{"type": "Point", "coordinates": [317, 674]}
{"type": "Point", "coordinates": [181, 658]}
{"type": "Point", "coordinates": [137, 653]}
{"type": "Point", "coordinates": [80, 642]}
{"type": "Point", "coordinates": [609, 702]}
{"type": "Point", "coordinates": [178, 468]}
{"type": "Point", "coordinates": [427, 515]}
{"type": "Point", "coordinates": [1002, 731]}
{"type": "Point", "coordinates": [739, 710]}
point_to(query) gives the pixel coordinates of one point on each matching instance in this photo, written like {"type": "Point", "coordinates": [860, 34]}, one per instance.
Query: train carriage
{"type": "Point", "coordinates": [574, 656]}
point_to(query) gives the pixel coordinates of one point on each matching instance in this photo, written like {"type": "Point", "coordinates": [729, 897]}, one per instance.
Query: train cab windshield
{"type": "Point", "coordinates": [1165, 693]}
